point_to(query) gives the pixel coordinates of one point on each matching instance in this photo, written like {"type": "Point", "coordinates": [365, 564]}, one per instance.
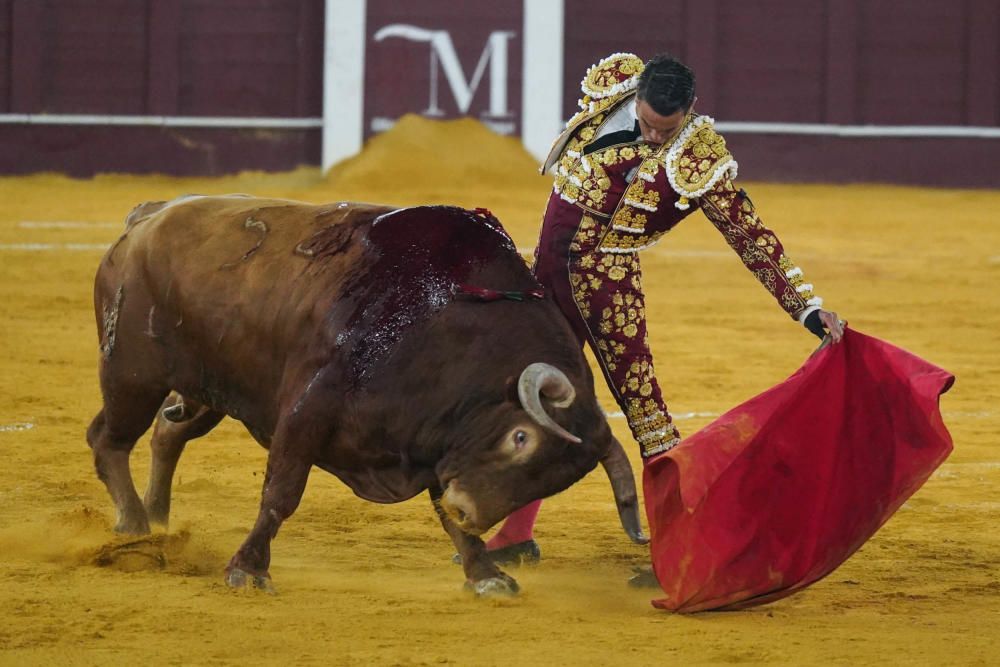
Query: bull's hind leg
{"type": "Point", "coordinates": [126, 415]}
{"type": "Point", "coordinates": [133, 371]}
{"type": "Point", "coordinates": [169, 439]}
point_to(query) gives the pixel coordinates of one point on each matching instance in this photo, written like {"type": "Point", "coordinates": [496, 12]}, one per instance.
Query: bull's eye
{"type": "Point", "coordinates": [520, 439]}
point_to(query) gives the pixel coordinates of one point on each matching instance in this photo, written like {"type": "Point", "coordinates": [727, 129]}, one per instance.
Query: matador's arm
{"type": "Point", "coordinates": [733, 214]}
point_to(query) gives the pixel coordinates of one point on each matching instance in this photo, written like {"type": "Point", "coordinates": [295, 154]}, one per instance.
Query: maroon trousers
{"type": "Point", "coordinates": [600, 293]}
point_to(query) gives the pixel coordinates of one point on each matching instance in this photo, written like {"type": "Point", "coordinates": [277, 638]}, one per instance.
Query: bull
{"type": "Point", "coordinates": [401, 350]}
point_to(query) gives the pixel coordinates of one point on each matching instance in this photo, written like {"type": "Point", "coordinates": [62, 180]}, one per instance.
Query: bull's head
{"type": "Point", "coordinates": [533, 456]}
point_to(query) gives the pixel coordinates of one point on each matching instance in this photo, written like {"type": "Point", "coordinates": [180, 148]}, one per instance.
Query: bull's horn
{"type": "Point", "coordinates": [623, 484]}
{"type": "Point", "coordinates": [540, 379]}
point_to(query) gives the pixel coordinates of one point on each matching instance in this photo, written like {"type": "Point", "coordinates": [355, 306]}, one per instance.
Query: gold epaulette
{"type": "Point", "coordinates": [609, 82]}
{"type": "Point", "coordinates": [697, 160]}
{"type": "Point", "coordinates": [606, 82]}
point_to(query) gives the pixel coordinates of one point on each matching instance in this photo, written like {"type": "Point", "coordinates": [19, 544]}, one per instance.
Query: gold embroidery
{"type": "Point", "coordinates": [631, 220]}
{"type": "Point", "coordinates": [603, 78]}
{"type": "Point", "coordinates": [643, 197]}
{"type": "Point", "coordinates": [626, 312]}
{"type": "Point", "coordinates": [625, 242]}
{"type": "Point", "coordinates": [766, 278]}
{"type": "Point", "coordinates": [710, 148]}
{"type": "Point", "coordinates": [648, 170]}
{"type": "Point", "coordinates": [757, 246]}
{"type": "Point", "coordinates": [642, 194]}
{"type": "Point", "coordinates": [697, 159]}
{"type": "Point", "coordinates": [766, 241]}
{"type": "Point", "coordinates": [583, 179]}
{"type": "Point", "coordinates": [651, 426]}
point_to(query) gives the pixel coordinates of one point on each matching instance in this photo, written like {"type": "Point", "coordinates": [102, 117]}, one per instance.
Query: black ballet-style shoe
{"type": "Point", "coordinates": [512, 555]}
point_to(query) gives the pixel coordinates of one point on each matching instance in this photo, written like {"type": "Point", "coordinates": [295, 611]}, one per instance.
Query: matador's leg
{"type": "Point", "coordinates": [608, 293]}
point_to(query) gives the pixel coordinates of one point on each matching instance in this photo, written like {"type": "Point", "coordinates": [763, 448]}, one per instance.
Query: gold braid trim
{"type": "Point", "coordinates": [609, 79]}
{"type": "Point", "coordinates": [627, 231]}
{"type": "Point", "coordinates": [697, 160]}
{"type": "Point", "coordinates": [758, 247]}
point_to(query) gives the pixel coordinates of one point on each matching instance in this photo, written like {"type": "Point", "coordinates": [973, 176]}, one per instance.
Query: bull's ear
{"type": "Point", "coordinates": [510, 391]}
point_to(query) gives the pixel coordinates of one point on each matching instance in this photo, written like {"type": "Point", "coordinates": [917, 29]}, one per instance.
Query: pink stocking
{"type": "Point", "coordinates": [516, 528]}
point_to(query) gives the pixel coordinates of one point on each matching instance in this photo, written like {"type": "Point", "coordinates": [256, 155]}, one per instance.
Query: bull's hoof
{"type": "Point", "coordinates": [241, 580]}
{"type": "Point", "coordinates": [499, 586]}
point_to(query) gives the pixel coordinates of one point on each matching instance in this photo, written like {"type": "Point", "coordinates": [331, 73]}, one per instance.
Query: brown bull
{"type": "Point", "coordinates": [400, 350]}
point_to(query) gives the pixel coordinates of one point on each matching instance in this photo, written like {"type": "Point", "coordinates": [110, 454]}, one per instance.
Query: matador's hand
{"type": "Point", "coordinates": [826, 326]}
{"type": "Point", "coordinates": [833, 324]}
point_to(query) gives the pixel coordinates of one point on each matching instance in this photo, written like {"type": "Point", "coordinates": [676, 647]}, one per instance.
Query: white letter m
{"type": "Point", "coordinates": [442, 48]}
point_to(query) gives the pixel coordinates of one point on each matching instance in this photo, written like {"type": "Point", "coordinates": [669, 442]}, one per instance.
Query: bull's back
{"type": "Point", "coordinates": [234, 239]}
{"type": "Point", "coordinates": [233, 284]}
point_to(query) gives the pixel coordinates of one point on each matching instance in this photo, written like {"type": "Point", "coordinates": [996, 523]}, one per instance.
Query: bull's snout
{"type": "Point", "coordinates": [461, 509]}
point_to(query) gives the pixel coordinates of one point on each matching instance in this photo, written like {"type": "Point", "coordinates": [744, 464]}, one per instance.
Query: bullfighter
{"type": "Point", "coordinates": [629, 166]}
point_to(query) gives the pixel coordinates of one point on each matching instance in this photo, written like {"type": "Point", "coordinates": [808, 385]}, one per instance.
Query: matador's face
{"type": "Point", "coordinates": [655, 128]}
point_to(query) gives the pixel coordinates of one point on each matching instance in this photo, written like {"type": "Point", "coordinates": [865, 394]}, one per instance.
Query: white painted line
{"type": "Point", "coordinates": [226, 122]}
{"type": "Point", "coordinates": [695, 415]}
{"type": "Point", "coordinates": [52, 247]}
{"type": "Point", "coordinates": [682, 416]}
{"type": "Point", "coordinates": [660, 250]}
{"type": "Point", "coordinates": [911, 131]}
{"type": "Point", "coordinates": [983, 414]}
{"type": "Point", "coordinates": [66, 224]}
{"type": "Point", "coordinates": [678, 416]}
{"type": "Point", "coordinates": [21, 426]}
{"type": "Point", "coordinates": [354, 11]}
{"type": "Point", "coordinates": [966, 414]}
{"type": "Point", "coordinates": [985, 465]}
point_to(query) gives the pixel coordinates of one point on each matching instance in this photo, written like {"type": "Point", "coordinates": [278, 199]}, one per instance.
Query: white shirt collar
{"type": "Point", "coordinates": [623, 118]}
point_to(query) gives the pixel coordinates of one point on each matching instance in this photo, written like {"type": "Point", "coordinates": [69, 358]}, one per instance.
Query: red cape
{"type": "Point", "coordinates": [779, 491]}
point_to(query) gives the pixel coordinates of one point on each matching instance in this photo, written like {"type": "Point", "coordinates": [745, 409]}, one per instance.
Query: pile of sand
{"type": "Point", "coordinates": [419, 154]}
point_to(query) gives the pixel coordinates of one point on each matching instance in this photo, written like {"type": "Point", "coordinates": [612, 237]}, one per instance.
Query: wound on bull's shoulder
{"type": "Point", "coordinates": [327, 241]}
{"type": "Point", "coordinates": [258, 226]}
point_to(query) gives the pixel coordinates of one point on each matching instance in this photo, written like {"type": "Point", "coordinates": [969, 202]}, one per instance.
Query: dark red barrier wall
{"type": "Point", "coordinates": [841, 62]}
{"type": "Point", "coordinates": [844, 62]}
{"type": "Point", "coordinates": [179, 57]}
{"type": "Point", "coordinates": [159, 57]}
{"type": "Point", "coordinates": [920, 62]}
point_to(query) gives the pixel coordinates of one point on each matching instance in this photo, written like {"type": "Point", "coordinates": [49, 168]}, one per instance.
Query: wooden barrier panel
{"type": "Point", "coordinates": [839, 64]}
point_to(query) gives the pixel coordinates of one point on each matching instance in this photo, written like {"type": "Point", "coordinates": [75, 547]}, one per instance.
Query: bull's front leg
{"type": "Point", "coordinates": [481, 573]}
{"type": "Point", "coordinates": [290, 458]}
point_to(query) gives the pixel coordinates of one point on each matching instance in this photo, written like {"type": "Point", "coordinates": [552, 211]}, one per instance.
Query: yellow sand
{"type": "Point", "coordinates": [364, 584]}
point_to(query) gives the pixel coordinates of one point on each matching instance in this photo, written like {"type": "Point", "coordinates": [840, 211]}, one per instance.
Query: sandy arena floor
{"type": "Point", "coordinates": [364, 584]}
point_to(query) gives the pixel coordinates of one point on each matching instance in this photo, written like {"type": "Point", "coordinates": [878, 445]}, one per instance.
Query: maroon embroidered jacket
{"type": "Point", "coordinates": [636, 192]}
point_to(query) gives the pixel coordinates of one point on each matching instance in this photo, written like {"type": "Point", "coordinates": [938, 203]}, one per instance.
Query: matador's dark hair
{"type": "Point", "coordinates": [666, 84]}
